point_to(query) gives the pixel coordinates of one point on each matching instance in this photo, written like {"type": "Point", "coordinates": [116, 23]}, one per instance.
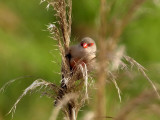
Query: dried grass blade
{"type": "Point", "coordinates": [142, 70]}
{"type": "Point", "coordinates": [37, 83]}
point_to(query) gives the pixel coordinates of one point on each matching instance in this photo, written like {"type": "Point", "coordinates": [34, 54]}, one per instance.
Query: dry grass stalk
{"type": "Point", "coordinates": [114, 39]}
{"type": "Point", "coordinates": [37, 83]}
{"type": "Point", "coordinates": [101, 74]}
{"type": "Point", "coordinates": [69, 16]}
{"type": "Point", "coordinates": [111, 47]}
{"type": "Point", "coordinates": [67, 98]}
{"type": "Point", "coordinates": [142, 70]}
{"type": "Point", "coordinates": [63, 9]}
{"type": "Point", "coordinates": [10, 82]}
{"type": "Point", "coordinates": [116, 58]}
{"type": "Point", "coordinates": [85, 77]}
{"type": "Point", "coordinates": [118, 62]}
{"type": "Point", "coordinates": [113, 78]}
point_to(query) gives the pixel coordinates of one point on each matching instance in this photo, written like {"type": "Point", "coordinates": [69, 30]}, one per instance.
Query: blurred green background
{"type": "Point", "coordinates": [27, 49]}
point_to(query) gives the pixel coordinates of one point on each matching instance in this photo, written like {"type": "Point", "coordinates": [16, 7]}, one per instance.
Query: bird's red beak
{"type": "Point", "coordinates": [85, 45]}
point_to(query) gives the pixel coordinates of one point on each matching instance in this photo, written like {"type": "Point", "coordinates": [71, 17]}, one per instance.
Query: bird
{"type": "Point", "coordinates": [84, 53]}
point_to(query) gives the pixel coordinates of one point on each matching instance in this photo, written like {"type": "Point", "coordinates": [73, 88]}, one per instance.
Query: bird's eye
{"type": "Point", "coordinates": [84, 45]}
{"type": "Point", "coordinates": [90, 44]}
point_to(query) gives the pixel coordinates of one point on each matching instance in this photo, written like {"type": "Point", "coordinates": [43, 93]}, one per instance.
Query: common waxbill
{"type": "Point", "coordinates": [83, 53]}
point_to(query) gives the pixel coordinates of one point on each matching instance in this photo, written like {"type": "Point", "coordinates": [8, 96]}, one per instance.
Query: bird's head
{"type": "Point", "coordinates": [88, 45]}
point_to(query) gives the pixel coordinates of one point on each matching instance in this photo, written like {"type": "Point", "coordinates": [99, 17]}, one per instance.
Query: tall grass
{"type": "Point", "coordinates": [73, 93]}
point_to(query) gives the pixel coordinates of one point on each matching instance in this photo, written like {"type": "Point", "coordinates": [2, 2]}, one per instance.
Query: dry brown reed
{"type": "Point", "coordinates": [114, 38]}
{"type": "Point", "coordinates": [67, 98]}
{"type": "Point", "coordinates": [142, 70]}
{"type": "Point", "coordinates": [101, 74]}
{"type": "Point", "coordinates": [114, 55]}
{"type": "Point", "coordinates": [39, 83]}
{"type": "Point", "coordinates": [109, 50]}
{"type": "Point", "coordinates": [62, 33]}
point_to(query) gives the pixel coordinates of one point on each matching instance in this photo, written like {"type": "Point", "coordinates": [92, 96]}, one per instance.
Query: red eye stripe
{"type": "Point", "coordinates": [90, 44]}
{"type": "Point", "coordinates": [84, 45]}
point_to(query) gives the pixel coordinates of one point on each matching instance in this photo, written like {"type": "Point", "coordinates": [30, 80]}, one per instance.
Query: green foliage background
{"type": "Point", "coordinates": [26, 49]}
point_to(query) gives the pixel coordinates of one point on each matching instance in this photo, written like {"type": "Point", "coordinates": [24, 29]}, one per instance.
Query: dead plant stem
{"type": "Point", "coordinates": [101, 74]}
